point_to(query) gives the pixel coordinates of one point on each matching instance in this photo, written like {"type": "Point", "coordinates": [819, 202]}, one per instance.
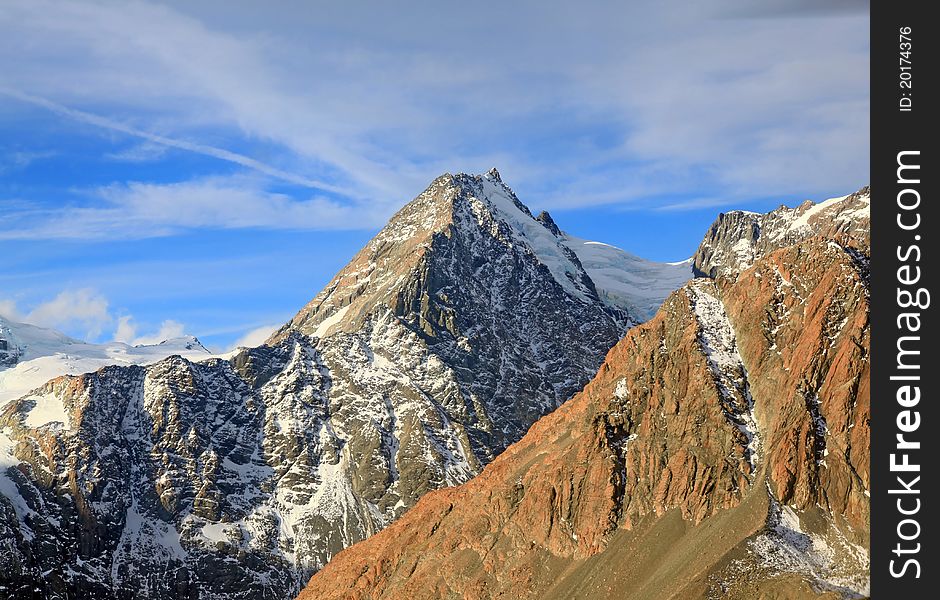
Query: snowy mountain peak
{"type": "Point", "coordinates": [186, 342]}
{"type": "Point", "coordinates": [452, 214]}
{"type": "Point", "coordinates": [457, 211]}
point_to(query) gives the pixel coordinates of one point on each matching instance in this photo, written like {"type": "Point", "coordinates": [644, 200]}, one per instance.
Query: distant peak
{"type": "Point", "coordinates": [187, 342]}
{"type": "Point", "coordinates": [493, 175]}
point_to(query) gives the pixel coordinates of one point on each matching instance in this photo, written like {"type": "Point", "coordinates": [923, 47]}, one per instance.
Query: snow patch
{"type": "Point", "coordinates": [48, 409]}
{"type": "Point", "coordinates": [8, 487]}
{"type": "Point", "coordinates": [216, 532]}
{"type": "Point", "coordinates": [802, 222]}
{"type": "Point", "coordinates": [627, 281]}
{"type": "Point", "coordinates": [832, 562]}
{"type": "Point", "coordinates": [621, 392]}
{"type": "Point", "coordinates": [324, 326]}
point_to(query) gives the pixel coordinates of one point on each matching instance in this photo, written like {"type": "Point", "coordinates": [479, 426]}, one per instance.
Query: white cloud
{"type": "Point", "coordinates": [80, 308]}
{"type": "Point", "coordinates": [169, 329]}
{"type": "Point", "coordinates": [140, 210]}
{"type": "Point", "coordinates": [9, 310]}
{"type": "Point", "coordinates": [255, 337]}
{"type": "Point", "coordinates": [88, 311]}
{"type": "Point", "coordinates": [126, 330]}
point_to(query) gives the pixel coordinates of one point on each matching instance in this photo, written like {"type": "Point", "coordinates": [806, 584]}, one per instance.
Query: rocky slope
{"type": "Point", "coordinates": [720, 452]}
{"type": "Point", "coordinates": [459, 325]}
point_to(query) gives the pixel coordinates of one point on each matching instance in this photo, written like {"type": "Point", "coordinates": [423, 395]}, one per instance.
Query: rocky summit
{"type": "Point", "coordinates": [457, 327]}
{"type": "Point", "coordinates": [738, 238]}
{"type": "Point", "coordinates": [721, 451]}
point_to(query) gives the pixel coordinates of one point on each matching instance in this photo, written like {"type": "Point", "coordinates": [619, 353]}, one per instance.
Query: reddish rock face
{"type": "Point", "coordinates": [720, 451]}
{"type": "Point", "coordinates": [803, 323]}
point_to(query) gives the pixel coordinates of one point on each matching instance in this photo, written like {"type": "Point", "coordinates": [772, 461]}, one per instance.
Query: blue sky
{"type": "Point", "coordinates": [201, 167]}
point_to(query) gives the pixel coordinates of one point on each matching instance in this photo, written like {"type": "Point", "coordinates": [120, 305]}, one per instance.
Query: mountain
{"type": "Point", "coordinates": [738, 238]}
{"type": "Point", "coordinates": [721, 451]}
{"type": "Point", "coordinates": [459, 325]}
{"type": "Point", "coordinates": [30, 356]}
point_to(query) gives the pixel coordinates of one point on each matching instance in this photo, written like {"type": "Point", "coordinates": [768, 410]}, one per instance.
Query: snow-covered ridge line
{"type": "Point", "coordinates": [36, 355]}
{"type": "Point", "coordinates": [528, 231]}
{"type": "Point", "coordinates": [621, 279]}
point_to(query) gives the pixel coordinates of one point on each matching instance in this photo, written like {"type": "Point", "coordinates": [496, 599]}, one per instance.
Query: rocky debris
{"type": "Point", "coordinates": [460, 324]}
{"type": "Point", "coordinates": [546, 219]}
{"type": "Point", "coordinates": [720, 451]}
{"type": "Point", "coordinates": [9, 354]}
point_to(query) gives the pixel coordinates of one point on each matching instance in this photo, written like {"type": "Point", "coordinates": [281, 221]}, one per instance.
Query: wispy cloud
{"type": "Point", "coordinates": [220, 153]}
{"type": "Point", "coordinates": [82, 308]}
{"type": "Point", "coordinates": [143, 152]}
{"type": "Point", "coordinates": [141, 210]}
{"type": "Point", "coordinates": [126, 331]}
{"type": "Point", "coordinates": [255, 337]}
{"type": "Point", "coordinates": [17, 160]}
{"type": "Point", "coordinates": [10, 310]}
{"type": "Point", "coordinates": [368, 110]}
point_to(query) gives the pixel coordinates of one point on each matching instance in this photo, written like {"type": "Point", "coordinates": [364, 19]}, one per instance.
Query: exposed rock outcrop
{"type": "Point", "coordinates": [738, 238]}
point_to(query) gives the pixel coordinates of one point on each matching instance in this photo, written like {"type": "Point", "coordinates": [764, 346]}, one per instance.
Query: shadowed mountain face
{"type": "Point", "coordinates": [459, 325]}
{"type": "Point", "coordinates": [721, 451]}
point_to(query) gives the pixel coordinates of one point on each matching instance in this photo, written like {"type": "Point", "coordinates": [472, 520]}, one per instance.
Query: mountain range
{"type": "Point", "coordinates": [458, 326]}
{"type": "Point", "coordinates": [732, 418]}
{"type": "Point", "coordinates": [30, 356]}
{"type": "Point", "coordinates": [721, 451]}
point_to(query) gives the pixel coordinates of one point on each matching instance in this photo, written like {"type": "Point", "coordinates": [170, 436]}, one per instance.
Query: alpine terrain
{"type": "Point", "coordinates": [721, 451]}
{"type": "Point", "coordinates": [457, 327]}
{"type": "Point", "coordinates": [30, 356]}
